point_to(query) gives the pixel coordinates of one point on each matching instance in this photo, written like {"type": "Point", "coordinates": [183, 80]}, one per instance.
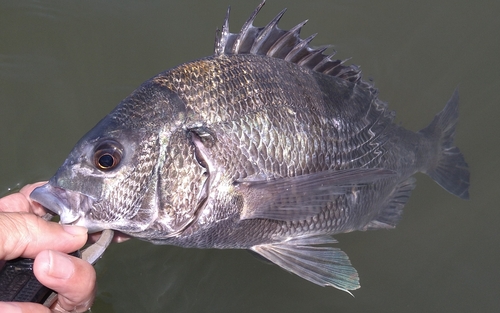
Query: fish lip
{"type": "Point", "coordinates": [59, 201]}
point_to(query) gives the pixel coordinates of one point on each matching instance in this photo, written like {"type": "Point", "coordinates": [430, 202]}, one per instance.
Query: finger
{"type": "Point", "coordinates": [21, 202]}
{"type": "Point", "coordinates": [26, 307]}
{"type": "Point", "coordinates": [27, 234]}
{"type": "Point", "coordinates": [72, 278]}
{"type": "Point", "coordinates": [15, 202]}
{"type": "Point", "coordinates": [36, 207]}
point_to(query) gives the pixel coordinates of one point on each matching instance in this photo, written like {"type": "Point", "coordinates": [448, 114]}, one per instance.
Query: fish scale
{"type": "Point", "coordinates": [268, 145]}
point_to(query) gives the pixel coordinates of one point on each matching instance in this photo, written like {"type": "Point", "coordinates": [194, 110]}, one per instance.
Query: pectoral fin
{"type": "Point", "coordinates": [322, 265]}
{"type": "Point", "coordinates": [300, 197]}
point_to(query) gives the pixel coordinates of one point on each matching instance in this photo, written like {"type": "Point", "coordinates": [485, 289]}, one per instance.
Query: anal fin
{"type": "Point", "coordinates": [322, 265]}
{"type": "Point", "coordinates": [391, 213]}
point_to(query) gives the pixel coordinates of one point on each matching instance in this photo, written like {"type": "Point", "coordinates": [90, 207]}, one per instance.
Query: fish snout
{"type": "Point", "coordinates": [67, 204]}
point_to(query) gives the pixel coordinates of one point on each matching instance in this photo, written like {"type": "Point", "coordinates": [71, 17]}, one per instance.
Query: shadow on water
{"type": "Point", "coordinates": [64, 65]}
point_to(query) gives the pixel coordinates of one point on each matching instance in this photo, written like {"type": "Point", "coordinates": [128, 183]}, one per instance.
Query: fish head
{"type": "Point", "coordinates": [109, 179]}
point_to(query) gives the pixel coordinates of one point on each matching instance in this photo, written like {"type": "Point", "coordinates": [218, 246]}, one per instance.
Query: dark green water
{"type": "Point", "coordinates": [65, 64]}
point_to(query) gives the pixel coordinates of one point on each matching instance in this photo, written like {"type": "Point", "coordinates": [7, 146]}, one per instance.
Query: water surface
{"type": "Point", "coordinates": [65, 64]}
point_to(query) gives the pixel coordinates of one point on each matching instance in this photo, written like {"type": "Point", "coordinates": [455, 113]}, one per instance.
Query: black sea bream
{"type": "Point", "coordinates": [267, 145]}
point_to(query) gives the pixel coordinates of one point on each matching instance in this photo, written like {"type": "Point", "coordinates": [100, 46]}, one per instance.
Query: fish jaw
{"type": "Point", "coordinates": [69, 205]}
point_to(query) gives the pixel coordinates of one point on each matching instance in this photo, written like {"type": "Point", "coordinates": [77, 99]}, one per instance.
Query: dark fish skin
{"type": "Point", "coordinates": [268, 145]}
{"type": "Point", "coordinates": [280, 133]}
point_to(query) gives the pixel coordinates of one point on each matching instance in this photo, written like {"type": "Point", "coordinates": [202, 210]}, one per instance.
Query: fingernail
{"type": "Point", "coordinates": [75, 230]}
{"type": "Point", "coordinates": [9, 307]}
{"type": "Point", "coordinates": [59, 265]}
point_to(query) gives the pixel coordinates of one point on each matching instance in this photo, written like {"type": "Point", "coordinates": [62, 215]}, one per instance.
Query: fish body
{"type": "Point", "coordinates": [267, 145]}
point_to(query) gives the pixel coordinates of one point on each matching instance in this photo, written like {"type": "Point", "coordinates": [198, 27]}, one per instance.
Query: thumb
{"type": "Point", "coordinates": [24, 234]}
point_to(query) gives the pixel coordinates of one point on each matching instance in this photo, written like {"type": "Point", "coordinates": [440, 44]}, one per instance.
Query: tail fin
{"type": "Point", "coordinates": [449, 168]}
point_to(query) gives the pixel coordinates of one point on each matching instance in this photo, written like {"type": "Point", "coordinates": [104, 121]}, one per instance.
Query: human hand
{"type": "Point", "coordinates": [23, 233]}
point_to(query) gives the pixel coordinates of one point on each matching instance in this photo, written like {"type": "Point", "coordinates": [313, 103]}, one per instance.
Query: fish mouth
{"type": "Point", "coordinates": [69, 205]}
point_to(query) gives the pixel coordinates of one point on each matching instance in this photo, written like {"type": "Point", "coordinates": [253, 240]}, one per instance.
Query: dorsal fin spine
{"type": "Point", "coordinates": [266, 35]}
{"type": "Point", "coordinates": [320, 67]}
{"type": "Point", "coordinates": [245, 29]}
{"type": "Point", "coordinates": [221, 36]}
{"type": "Point", "coordinates": [299, 50]}
{"type": "Point", "coordinates": [272, 41]}
{"type": "Point", "coordinates": [283, 46]}
{"type": "Point", "coordinates": [309, 60]}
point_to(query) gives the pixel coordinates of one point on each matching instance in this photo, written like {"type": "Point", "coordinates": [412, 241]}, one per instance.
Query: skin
{"type": "Point", "coordinates": [23, 233]}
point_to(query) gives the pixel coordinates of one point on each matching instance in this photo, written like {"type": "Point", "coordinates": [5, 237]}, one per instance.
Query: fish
{"type": "Point", "coordinates": [269, 145]}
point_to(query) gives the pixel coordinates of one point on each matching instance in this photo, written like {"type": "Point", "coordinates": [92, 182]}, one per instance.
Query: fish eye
{"type": "Point", "coordinates": [107, 155]}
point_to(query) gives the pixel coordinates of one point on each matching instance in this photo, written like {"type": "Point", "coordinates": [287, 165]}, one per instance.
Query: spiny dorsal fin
{"type": "Point", "coordinates": [283, 44]}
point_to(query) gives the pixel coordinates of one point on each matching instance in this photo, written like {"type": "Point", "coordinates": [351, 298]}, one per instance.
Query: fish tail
{"type": "Point", "coordinates": [448, 168]}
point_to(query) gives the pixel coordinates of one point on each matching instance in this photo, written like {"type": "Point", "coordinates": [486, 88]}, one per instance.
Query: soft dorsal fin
{"type": "Point", "coordinates": [283, 44]}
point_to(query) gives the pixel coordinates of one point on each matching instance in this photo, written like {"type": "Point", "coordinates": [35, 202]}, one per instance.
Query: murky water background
{"type": "Point", "coordinates": [65, 64]}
